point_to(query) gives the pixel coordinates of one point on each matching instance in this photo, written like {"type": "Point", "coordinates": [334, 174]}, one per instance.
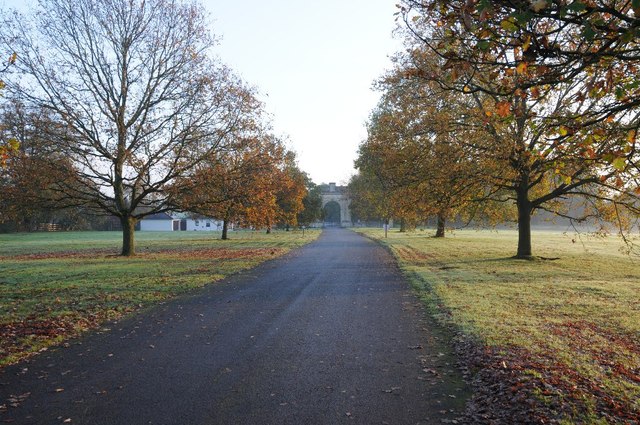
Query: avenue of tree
{"type": "Point", "coordinates": [496, 110]}
{"type": "Point", "coordinates": [121, 108]}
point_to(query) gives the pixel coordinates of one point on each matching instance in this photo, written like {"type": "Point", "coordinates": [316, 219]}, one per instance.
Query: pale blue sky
{"type": "Point", "coordinates": [314, 62]}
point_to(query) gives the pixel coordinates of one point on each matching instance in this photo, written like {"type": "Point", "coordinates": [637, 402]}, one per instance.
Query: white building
{"type": "Point", "coordinates": [163, 222]}
{"type": "Point", "coordinates": [203, 224]}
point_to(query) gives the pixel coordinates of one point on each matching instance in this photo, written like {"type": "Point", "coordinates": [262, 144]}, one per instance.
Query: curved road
{"type": "Point", "coordinates": [328, 334]}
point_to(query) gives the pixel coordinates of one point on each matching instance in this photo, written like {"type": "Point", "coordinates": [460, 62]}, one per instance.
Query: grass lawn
{"type": "Point", "coordinates": [56, 285]}
{"type": "Point", "coordinates": [566, 328]}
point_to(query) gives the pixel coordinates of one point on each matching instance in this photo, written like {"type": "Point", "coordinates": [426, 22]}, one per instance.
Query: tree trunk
{"type": "Point", "coordinates": [524, 225]}
{"type": "Point", "coordinates": [441, 225]}
{"type": "Point", "coordinates": [225, 229]}
{"type": "Point", "coordinates": [128, 233]}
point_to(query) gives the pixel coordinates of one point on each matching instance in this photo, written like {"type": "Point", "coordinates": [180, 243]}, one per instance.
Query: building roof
{"type": "Point", "coordinates": [158, 216]}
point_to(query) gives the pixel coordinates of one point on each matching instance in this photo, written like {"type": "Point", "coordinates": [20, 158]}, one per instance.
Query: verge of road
{"type": "Point", "coordinates": [458, 348]}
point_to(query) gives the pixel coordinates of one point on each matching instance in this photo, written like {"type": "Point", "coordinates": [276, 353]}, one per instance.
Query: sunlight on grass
{"type": "Point", "coordinates": [578, 310]}
{"type": "Point", "coordinates": [53, 285]}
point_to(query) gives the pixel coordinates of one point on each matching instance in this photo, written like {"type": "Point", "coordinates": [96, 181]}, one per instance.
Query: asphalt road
{"type": "Point", "coordinates": [329, 334]}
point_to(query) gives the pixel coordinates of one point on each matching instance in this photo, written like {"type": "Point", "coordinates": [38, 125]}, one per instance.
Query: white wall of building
{"type": "Point", "coordinates": [204, 224]}
{"type": "Point", "coordinates": [156, 225]}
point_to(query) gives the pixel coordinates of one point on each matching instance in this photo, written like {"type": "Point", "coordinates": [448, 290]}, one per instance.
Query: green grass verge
{"type": "Point", "coordinates": [56, 285]}
{"type": "Point", "coordinates": [570, 322]}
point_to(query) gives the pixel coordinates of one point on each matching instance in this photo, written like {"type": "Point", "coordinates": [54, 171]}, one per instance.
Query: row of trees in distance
{"type": "Point", "coordinates": [497, 110]}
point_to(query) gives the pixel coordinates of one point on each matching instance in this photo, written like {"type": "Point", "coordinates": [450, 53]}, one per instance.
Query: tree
{"type": "Point", "coordinates": [255, 183]}
{"type": "Point", "coordinates": [291, 190]}
{"type": "Point", "coordinates": [374, 190]}
{"type": "Point", "coordinates": [312, 204]}
{"type": "Point", "coordinates": [549, 137]}
{"type": "Point", "coordinates": [137, 100]}
{"type": "Point", "coordinates": [369, 199]}
{"type": "Point", "coordinates": [7, 146]}
{"type": "Point", "coordinates": [420, 132]}
{"type": "Point", "coordinates": [33, 169]}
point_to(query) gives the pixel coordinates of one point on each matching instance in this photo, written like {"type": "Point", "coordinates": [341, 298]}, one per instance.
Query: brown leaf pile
{"type": "Point", "coordinates": [217, 253]}
{"type": "Point", "coordinates": [84, 253]}
{"type": "Point", "coordinates": [512, 385]}
{"type": "Point", "coordinates": [199, 253]}
{"type": "Point", "coordinates": [18, 336]}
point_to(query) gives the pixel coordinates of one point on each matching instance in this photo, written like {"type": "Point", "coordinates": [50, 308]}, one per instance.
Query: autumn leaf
{"type": "Point", "coordinates": [631, 136]}
{"type": "Point", "coordinates": [535, 92]}
{"type": "Point", "coordinates": [522, 68]}
{"type": "Point", "coordinates": [538, 5]}
{"type": "Point", "coordinates": [503, 108]}
{"type": "Point", "coordinates": [619, 164]}
{"type": "Point", "coordinates": [509, 25]}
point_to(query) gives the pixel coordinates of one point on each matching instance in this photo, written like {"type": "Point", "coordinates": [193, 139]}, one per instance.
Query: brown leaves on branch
{"type": "Point", "coordinates": [254, 184]}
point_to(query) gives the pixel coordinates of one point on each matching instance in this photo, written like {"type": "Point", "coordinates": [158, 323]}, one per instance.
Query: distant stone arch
{"type": "Point", "coordinates": [332, 213]}
{"type": "Point", "coordinates": [337, 196]}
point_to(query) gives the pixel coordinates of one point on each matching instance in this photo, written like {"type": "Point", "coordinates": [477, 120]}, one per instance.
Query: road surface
{"type": "Point", "coordinates": [328, 334]}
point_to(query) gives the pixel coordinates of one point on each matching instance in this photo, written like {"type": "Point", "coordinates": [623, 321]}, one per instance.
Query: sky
{"type": "Point", "coordinates": [313, 64]}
